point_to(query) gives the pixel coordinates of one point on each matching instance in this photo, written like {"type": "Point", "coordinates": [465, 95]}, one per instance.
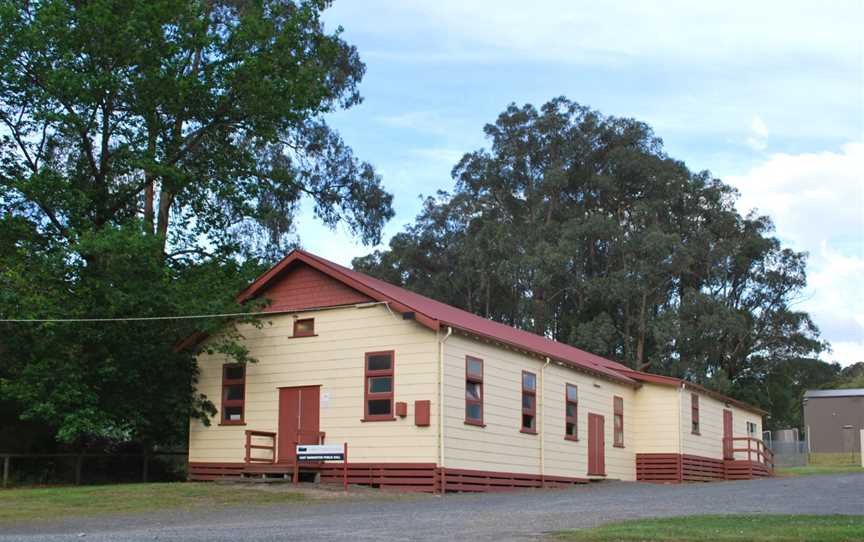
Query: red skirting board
{"type": "Point", "coordinates": [403, 477]}
{"type": "Point", "coordinates": [677, 468]}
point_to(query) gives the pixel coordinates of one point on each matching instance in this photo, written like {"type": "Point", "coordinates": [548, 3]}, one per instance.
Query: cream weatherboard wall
{"type": "Point", "coordinates": [334, 359]}
{"type": "Point", "coordinates": [709, 441]}
{"type": "Point", "coordinates": [500, 446]}
{"type": "Point", "coordinates": [656, 417]}
{"type": "Point", "coordinates": [656, 420]}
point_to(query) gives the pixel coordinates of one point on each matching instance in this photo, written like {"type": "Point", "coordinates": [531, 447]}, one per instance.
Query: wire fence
{"type": "Point", "coordinates": [789, 453]}
{"type": "Point", "coordinates": [91, 468]}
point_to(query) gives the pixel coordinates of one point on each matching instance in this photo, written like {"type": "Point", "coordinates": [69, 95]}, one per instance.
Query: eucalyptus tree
{"type": "Point", "coordinates": [580, 227]}
{"type": "Point", "coordinates": [152, 156]}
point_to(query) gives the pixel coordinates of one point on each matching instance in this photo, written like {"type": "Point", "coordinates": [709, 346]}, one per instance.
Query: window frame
{"type": "Point", "coordinates": [370, 396]}
{"type": "Point", "coordinates": [298, 333]}
{"type": "Point", "coordinates": [617, 428]}
{"type": "Point", "coordinates": [226, 403]}
{"type": "Point", "coordinates": [529, 411]}
{"type": "Point", "coordinates": [694, 414]}
{"type": "Point", "coordinates": [574, 419]}
{"type": "Point", "coordinates": [474, 379]}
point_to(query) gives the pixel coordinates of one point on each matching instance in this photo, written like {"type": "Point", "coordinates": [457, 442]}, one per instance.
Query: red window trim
{"type": "Point", "coordinates": [299, 333]}
{"type": "Point", "coordinates": [233, 402]}
{"type": "Point", "coordinates": [574, 419]}
{"type": "Point", "coordinates": [694, 414]}
{"type": "Point", "coordinates": [476, 380]}
{"type": "Point", "coordinates": [367, 396]}
{"type": "Point", "coordinates": [533, 410]}
{"type": "Point", "coordinates": [618, 412]}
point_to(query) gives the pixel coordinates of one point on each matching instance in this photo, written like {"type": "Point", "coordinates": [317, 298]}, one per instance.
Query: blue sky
{"type": "Point", "coordinates": [769, 96]}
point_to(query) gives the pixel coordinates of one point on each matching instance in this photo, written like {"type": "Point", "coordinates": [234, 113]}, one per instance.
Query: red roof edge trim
{"type": "Point", "coordinates": [595, 369]}
{"type": "Point", "coordinates": [674, 382]}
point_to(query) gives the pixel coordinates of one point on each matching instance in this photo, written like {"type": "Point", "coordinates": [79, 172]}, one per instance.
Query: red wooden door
{"type": "Point", "coordinates": [727, 435]}
{"type": "Point", "coordinates": [596, 445]}
{"type": "Point", "coordinates": [298, 420]}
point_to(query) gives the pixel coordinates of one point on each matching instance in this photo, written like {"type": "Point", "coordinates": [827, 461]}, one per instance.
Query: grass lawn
{"type": "Point", "coordinates": [43, 503]}
{"type": "Point", "coordinates": [758, 528]}
{"type": "Point", "coordinates": [818, 469]}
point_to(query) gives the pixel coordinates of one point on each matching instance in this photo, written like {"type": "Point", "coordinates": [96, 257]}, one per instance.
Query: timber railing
{"type": "Point", "coordinates": [755, 449]}
{"type": "Point", "coordinates": [250, 446]}
{"type": "Point", "coordinates": [270, 447]}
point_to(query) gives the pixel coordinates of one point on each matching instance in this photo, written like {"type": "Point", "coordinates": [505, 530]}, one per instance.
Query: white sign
{"type": "Point", "coordinates": [321, 452]}
{"type": "Point", "coordinates": [325, 398]}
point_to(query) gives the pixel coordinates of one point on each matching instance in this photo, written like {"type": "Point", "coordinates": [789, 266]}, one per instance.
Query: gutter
{"type": "Point", "coordinates": [542, 422]}
{"type": "Point", "coordinates": [681, 419]}
{"type": "Point", "coordinates": [441, 342]}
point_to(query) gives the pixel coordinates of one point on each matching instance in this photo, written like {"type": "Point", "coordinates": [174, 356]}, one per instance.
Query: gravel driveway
{"type": "Point", "coordinates": [482, 517]}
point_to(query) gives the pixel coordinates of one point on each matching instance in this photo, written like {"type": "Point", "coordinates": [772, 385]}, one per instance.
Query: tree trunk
{"type": "Point", "coordinates": [488, 296]}
{"type": "Point", "coordinates": [149, 179]}
{"type": "Point", "coordinates": [538, 303]}
{"type": "Point", "coordinates": [640, 343]}
{"type": "Point", "coordinates": [165, 200]}
{"type": "Point", "coordinates": [148, 203]}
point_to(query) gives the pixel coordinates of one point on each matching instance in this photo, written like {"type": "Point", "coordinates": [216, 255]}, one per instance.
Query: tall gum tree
{"type": "Point", "coordinates": [578, 226]}
{"type": "Point", "coordinates": [153, 156]}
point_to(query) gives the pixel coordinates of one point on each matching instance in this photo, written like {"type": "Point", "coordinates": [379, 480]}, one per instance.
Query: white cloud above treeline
{"type": "Point", "coordinates": [817, 203]}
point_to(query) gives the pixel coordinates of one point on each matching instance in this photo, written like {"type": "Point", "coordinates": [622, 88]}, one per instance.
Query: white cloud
{"type": "Point", "coordinates": [758, 127]}
{"type": "Point", "coordinates": [758, 134]}
{"type": "Point", "coordinates": [849, 351]}
{"type": "Point", "coordinates": [564, 31]}
{"type": "Point", "coordinates": [817, 204]}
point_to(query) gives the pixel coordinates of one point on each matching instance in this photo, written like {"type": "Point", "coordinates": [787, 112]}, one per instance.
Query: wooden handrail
{"type": "Point", "coordinates": [249, 446]}
{"type": "Point", "coordinates": [763, 453]}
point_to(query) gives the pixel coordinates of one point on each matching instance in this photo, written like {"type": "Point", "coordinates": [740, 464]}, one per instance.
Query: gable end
{"type": "Point", "coordinates": [302, 287]}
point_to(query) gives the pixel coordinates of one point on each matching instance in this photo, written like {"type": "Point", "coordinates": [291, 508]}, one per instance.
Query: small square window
{"type": "Point", "coordinates": [304, 327]}
{"type": "Point", "coordinates": [474, 411]}
{"type": "Point", "coordinates": [527, 421]}
{"type": "Point", "coordinates": [529, 381]}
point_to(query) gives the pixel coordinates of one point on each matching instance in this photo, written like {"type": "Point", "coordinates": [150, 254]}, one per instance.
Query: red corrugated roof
{"type": "Point", "coordinates": [675, 382]}
{"type": "Point", "coordinates": [434, 313]}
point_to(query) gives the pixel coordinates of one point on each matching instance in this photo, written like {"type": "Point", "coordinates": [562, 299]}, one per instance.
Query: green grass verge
{"type": "Point", "coordinates": [818, 469]}
{"type": "Point", "coordinates": [834, 459]}
{"type": "Point", "coordinates": [758, 528]}
{"type": "Point", "coordinates": [44, 503]}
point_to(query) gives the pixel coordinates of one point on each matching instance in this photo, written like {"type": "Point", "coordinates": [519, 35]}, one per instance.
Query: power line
{"type": "Point", "coordinates": [184, 317]}
{"type": "Point", "coordinates": [129, 319]}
